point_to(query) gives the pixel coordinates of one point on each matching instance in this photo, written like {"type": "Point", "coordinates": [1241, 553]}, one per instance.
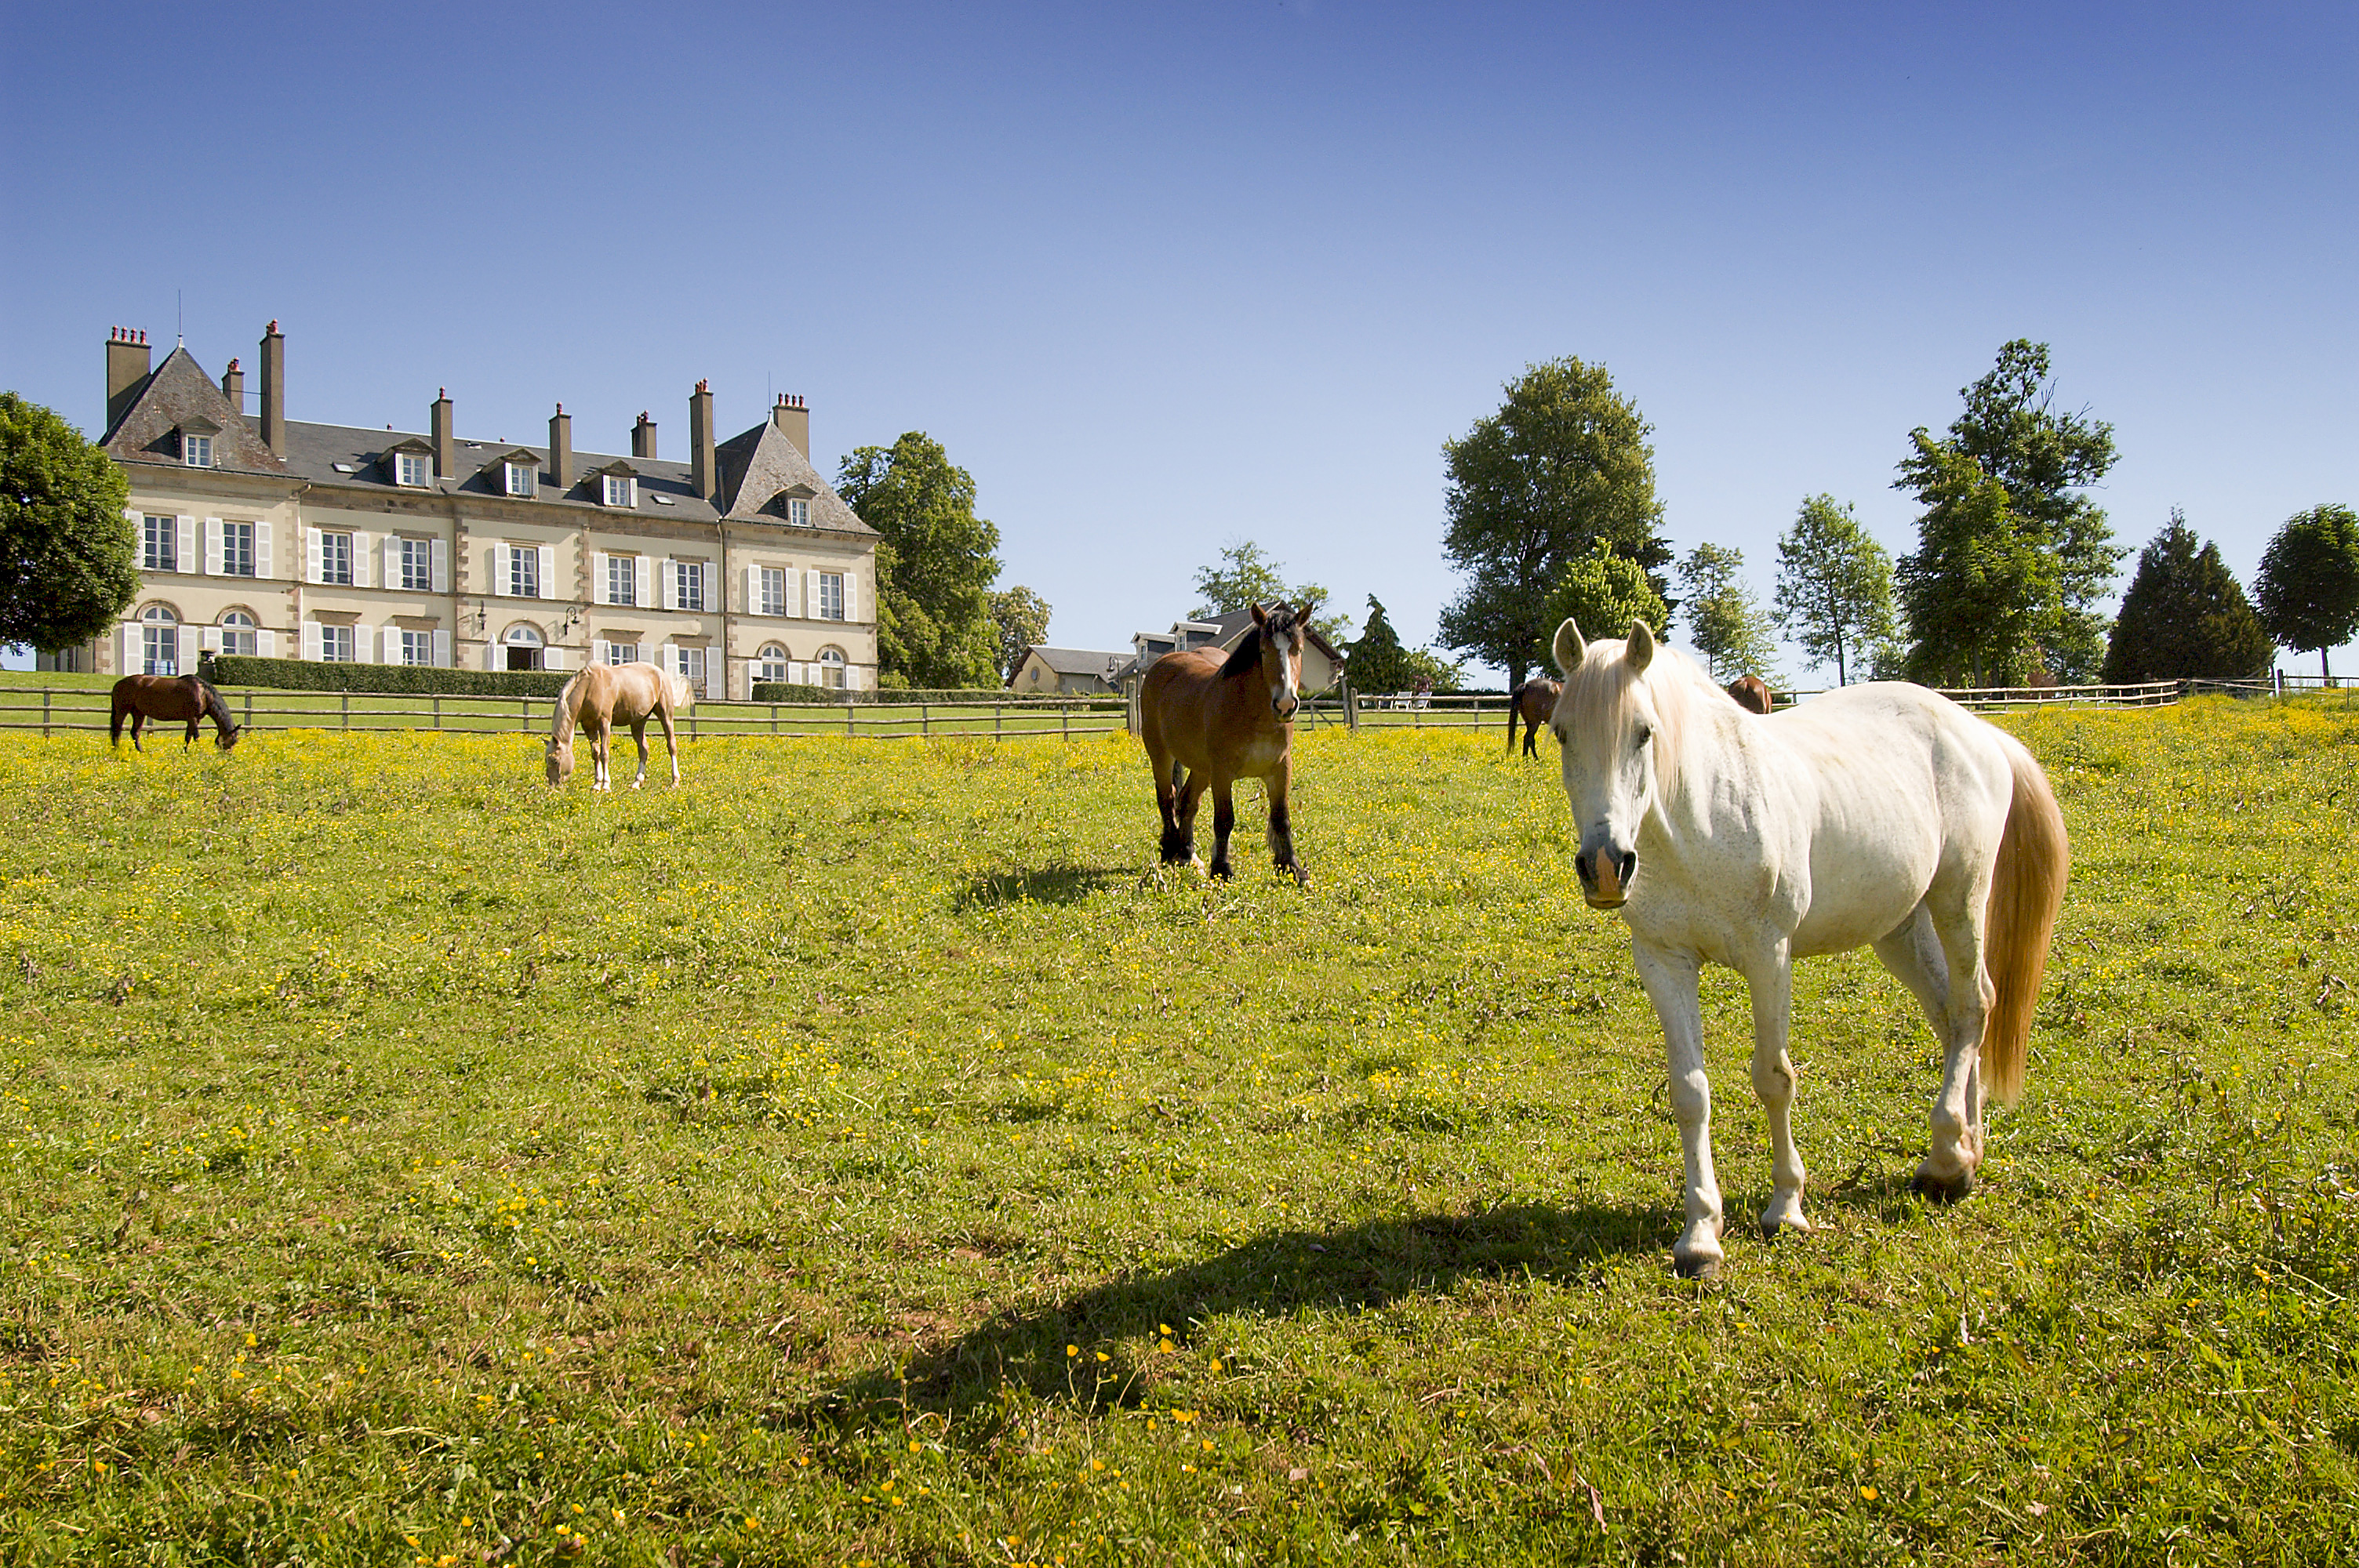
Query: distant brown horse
{"type": "Point", "coordinates": [1532, 703]}
{"type": "Point", "coordinates": [603, 694]}
{"type": "Point", "coordinates": [169, 699]}
{"type": "Point", "coordinates": [1752, 694]}
{"type": "Point", "coordinates": [1224, 716]}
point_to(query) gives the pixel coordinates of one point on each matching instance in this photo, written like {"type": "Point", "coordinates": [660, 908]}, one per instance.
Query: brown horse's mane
{"type": "Point", "coordinates": [1246, 658]}
{"type": "Point", "coordinates": [216, 708]}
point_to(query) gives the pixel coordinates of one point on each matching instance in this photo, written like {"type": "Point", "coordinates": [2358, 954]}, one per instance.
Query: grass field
{"type": "Point", "coordinates": [851, 1157]}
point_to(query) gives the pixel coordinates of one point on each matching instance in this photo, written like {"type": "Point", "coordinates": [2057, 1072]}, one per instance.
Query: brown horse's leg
{"type": "Point", "coordinates": [1531, 729]}
{"type": "Point", "coordinates": [190, 738]}
{"type": "Point", "coordinates": [138, 723]}
{"type": "Point", "coordinates": [1281, 823]}
{"type": "Point", "coordinates": [114, 725]}
{"type": "Point", "coordinates": [1184, 814]}
{"type": "Point", "coordinates": [1178, 845]}
{"type": "Point", "coordinates": [1224, 817]}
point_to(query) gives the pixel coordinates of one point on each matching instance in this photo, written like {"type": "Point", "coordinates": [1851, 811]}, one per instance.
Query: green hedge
{"type": "Point", "coordinates": [307, 674]}
{"type": "Point", "coordinates": [787, 691]}
{"type": "Point", "coordinates": [782, 691]}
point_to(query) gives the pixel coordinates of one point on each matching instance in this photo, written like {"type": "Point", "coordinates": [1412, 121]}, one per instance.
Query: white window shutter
{"type": "Point", "coordinates": [851, 598]}
{"type": "Point", "coordinates": [597, 650]}
{"type": "Point", "coordinates": [441, 553]}
{"type": "Point", "coordinates": [598, 594]}
{"type": "Point", "coordinates": [642, 573]}
{"type": "Point", "coordinates": [312, 562]}
{"type": "Point", "coordinates": [212, 546]}
{"type": "Point", "coordinates": [261, 548]}
{"type": "Point", "coordinates": [442, 650]}
{"type": "Point", "coordinates": [752, 577]}
{"type": "Point", "coordinates": [491, 660]}
{"type": "Point", "coordinates": [208, 639]}
{"type": "Point", "coordinates": [364, 644]}
{"type": "Point", "coordinates": [811, 595]}
{"type": "Point", "coordinates": [552, 658]}
{"type": "Point", "coordinates": [500, 570]}
{"type": "Point", "coordinates": [392, 577]}
{"type": "Point", "coordinates": [360, 560]}
{"type": "Point", "coordinates": [131, 652]}
{"type": "Point", "coordinates": [671, 584]}
{"type": "Point", "coordinates": [184, 554]}
{"type": "Point", "coordinates": [266, 643]}
{"type": "Point", "coordinates": [794, 594]}
{"type": "Point", "coordinates": [312, 631]}
{"type": "Point", "coordinates": [549, 573]}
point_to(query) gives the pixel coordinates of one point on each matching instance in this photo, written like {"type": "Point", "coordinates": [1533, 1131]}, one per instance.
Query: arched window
{"type": "Point", "coordinates": [238, 633]}
{"type": "Point", "coordinates": [523, 642]}
{"type": "Point", "coordinates": [770, 664]}
{"type": "Point", "coordinates": [832, 667]}
{"type": "Point", "coordinates": [160, 642]}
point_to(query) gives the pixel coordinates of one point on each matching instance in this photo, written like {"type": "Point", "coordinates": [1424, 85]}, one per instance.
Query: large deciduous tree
{"type": "Point", "coordinates": [69, 555]}
{"type": "Point", "coordinates": [1244, 576]}
{"type": "Point", "coordinates": [2011, 557]}
{"type": "Point", "coordinates": [1602, 592]}
{"type": "Point", "coordinates": [1562, 468]}
{"type": "Point", "coordinates": [2184, 615]}
{"type": "Point", "coordinates": [1022, 617]}
{"type": "Point", "coordinates": [2308, 586]}
{"type": "Point", "coordinates": [934, 626]}
{"type": "Point", "coordinates": [1834, 586]}
{"type": "Point", "coordinates": [1724, 620]}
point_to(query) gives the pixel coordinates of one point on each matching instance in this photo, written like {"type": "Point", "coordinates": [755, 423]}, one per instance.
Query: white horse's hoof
{"type": "Point", "coordinates": [1695, 1263]}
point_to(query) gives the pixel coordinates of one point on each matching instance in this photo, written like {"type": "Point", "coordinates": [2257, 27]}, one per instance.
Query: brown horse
{"type": "Point", "coordinates": [1224, 716]}
{"type": "Point", "coordinates": [1752, 694]}
{"type": "Point", "coordinates": [169, 699]}
{"type": "Point", "coordinates": [1532, 703]}
{"type": "Point", "coordinates": [599, 695]}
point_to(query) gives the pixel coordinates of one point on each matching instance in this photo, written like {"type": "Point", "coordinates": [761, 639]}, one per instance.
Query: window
{"type": "Point", "coordinates": [337, 643]}
{"type": "Point", "coordinates": [418, 566]}
{"type": "Point", "coordinates": [158, 537]}
{"type": "Point", "coordinates": [687, 585]}
{"type": "Point", "coordinates": [770, 664]}
{"type": "Point", "coordinates": [416, 648]}
{"type": "Point", "coordinates": [409, 468]}
{"type": "Point", "coordinates": [335, 558]}
{"type": "Point", "coordinates": [523, 479]}
{"type": "Point", "coordinates": [832, 667]}
{"type": "Point", "coordinates": [622, 653]}
{"type": "Point", "coordinates": [830, 598]}
{"type": "Point", "coordinates": [159, 641]}
{"type": "Point", "coordinates": [238, 633]}
{"type": "Point", "coordinates": [623, 580]}
{"type": "Point", "coordinates": [522, 645]}
{"type": "Point", "coordinates": [237, 550]}
{"type": "Point", "coordinates": [691, 665]}
{"type": "Point", "coordinates": [799, 513]}
{"type": "Point", "coordinates": [772, 597]}
{"type": "Point", "coordinates": [622, 489]}
{"type": "Point", "coordinates": [524, 571]}
{"type": "Point", "coordinates": [197, 451]}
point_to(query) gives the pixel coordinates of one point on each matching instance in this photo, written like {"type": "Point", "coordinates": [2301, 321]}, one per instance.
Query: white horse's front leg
{"type": "Point", "coordinates": [1772, 990]}
{"type": "Point", "coordinates": [1673, 981]}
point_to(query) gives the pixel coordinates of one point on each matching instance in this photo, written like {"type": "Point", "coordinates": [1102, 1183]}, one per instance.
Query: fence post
{"type": "Point", "coordinates": [438, 713]}
{"type": "Point", "coordinates": [847, 718]}
{"type": "Point", "coordinates": [249, 710]}
{"type": "Point", "coordinates": [1065, 720]}
{"type": "Point", "coordinates": [997, 714]}
{"type": "Point", "coordinates": [923, 708]}
{"type": "Point", "coordinates": [45, 711]}
{"type": "Point", "coordinates": [345, 704]}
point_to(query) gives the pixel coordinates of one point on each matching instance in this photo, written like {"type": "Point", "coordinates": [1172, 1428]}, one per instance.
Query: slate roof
{"type": "Point", "coordinates": [1076, 660]}
{"type": "Point", "coordinates": [177, 392]}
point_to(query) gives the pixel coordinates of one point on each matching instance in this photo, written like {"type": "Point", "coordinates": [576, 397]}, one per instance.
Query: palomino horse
{"type": "Point", "coordinates": [1880, 814]}
{"type": "Point", "coordinates": [1224, 716]}
{"type": "Point", "coordinates": [1752, 694]}
{"type": "Point", "coordinates": [1532, 703]}
{"type": "Point", "coordinates": [170, 697]}
{"type": "Point", "coordinates": [602, 695]}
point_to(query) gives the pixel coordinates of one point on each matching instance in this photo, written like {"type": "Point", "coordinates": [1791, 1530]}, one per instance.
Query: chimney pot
{"type": "Point", "coordinates": [274, 390]}
{"type": "Point", "coordinates": [560, 450]}
{"type": "Point", "coordinates": [643, 437]}
{"type": "Point", "coordinates": [446, 452]}
{"type": "Point", "coordinates": [703, 459]}
{"type": "Point", "coordinates": [126, 369]}
{"type": "Point", "coordinates": [794, 419]}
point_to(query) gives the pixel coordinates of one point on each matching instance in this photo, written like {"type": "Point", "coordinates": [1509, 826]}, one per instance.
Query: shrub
{"type": "Point", "coordinates": [307, 674]}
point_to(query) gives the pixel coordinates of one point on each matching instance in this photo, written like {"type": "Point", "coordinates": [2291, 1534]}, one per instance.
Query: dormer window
{"type": "Point", "coordinates": [411, 469]}
{"type": "Point", "coordinates": [621, 490]}
{"type": "Point", "coordinates": [799, 513]}
{"type": "Point", "coordinates": [196, 450]}
{"type": "Point", "coordinates": [522, 478]}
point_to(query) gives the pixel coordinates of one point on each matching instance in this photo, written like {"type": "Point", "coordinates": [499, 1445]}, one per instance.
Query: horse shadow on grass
{"type": "Point", "coordinates": [1282, 1273]}
{"type": "Point", "coordinates": [1058, 884]}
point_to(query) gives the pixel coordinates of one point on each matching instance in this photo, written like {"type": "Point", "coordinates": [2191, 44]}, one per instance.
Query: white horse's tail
{"type": "Point", "coordinates": [683, 695]}
{"type": "Point", "coordinates": [2026, 891]}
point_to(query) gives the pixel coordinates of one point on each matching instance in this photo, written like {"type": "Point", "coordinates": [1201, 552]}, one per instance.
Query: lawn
{"type": "Point", "coordinates": [862, 1155]}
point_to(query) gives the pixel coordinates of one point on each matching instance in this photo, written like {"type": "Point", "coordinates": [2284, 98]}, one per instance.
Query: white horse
{"type": "Point", "coordinates": [603, 694]}
{"type": "Point", "coordinates": [1879, 815]}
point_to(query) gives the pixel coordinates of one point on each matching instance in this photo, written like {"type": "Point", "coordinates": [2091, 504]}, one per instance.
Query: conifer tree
{"type": "Point", "coordinates": [2185, 616]}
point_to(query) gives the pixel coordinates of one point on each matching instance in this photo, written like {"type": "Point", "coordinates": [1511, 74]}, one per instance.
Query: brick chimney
{"type": "Point", "coordinates": [274, 390]}
{"type": "Point", "coordinates": [234, 386]}
{"type": "Point", "coordinates": [643, 437]}
{"type": "Point", "coordinates": [438, 417]}
{"type": "Point", "coordinates": [126, 366]}
{"type": "Point", "coordinates": [794, 419]}
{"type": "Point", "coordinates": [703, 467]}
{"type": "Point", "coordinates": [560, 450]}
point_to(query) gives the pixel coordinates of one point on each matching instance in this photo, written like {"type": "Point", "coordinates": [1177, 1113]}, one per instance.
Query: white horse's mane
{"type": "Point", "coordinates": [1596, 697]}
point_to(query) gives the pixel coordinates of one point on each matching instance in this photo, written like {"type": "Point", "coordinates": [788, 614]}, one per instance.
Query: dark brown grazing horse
{"type": "Point", "coordinates": [1752, 694]}
{"type": "Point", "coordinates": [170, 697]}
{"type": "Point", "coordinates": [1224, 716]}
{"type": "Point", "coordinates": [1532, 703]}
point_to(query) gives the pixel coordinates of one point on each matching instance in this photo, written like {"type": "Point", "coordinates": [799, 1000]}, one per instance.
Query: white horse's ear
{"type": "Point", "coordinates": [1568, 647]}
{"type": "Point", "coordinates": [1641, 649]}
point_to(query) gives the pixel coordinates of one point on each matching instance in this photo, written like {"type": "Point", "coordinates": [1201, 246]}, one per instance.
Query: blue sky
{"type": "Point", "coordinates": [1164, 276]}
